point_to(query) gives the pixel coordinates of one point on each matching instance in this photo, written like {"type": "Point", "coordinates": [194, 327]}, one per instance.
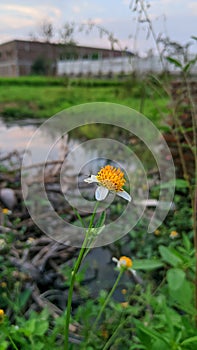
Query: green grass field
{"type": "Point", "coordinates": [40, 97]}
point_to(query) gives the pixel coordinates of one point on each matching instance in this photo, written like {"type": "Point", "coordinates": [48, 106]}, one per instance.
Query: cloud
{"type": "Point", "coordinates": [14, 23]}
{"type": "Point", "coordinates": [17, 21]}
{"type": "Point", "coordinates": [28, 14]}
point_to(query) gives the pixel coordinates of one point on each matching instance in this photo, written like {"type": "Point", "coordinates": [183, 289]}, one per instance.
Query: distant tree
{"type": "Point", "coordinates": [46, 30]}
{"type": "Point", "coordinates": [67, 34]}
{"type": "Point", "coordinates": [33, 36]}
{"type": "Point", "coordinates": [40, 66]}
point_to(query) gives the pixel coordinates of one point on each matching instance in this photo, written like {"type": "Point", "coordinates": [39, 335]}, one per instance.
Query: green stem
{"type": "Point", "coordinates": [70, 293]}
{"type": "Point", "coordinates": [12, 342]}
{"type": "Point", "coordinates": [114, 335]}
{"type": "Point", "coordinates": [93, 216]}
{"type": "Point", "coordinates": [78, 216]}
{"type": "Point", "coordinates": [74, 272]}
{"type": "Point", "coordinates": [108, 297]}
{"type": "Point", "coordinates": [194, 213]}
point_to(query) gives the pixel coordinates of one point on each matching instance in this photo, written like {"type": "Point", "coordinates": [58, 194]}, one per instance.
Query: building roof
{"type": "Point", "coordinates": [59, 44]}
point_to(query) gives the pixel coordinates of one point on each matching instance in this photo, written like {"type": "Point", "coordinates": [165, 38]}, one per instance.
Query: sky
{"type": "Point", "coordinates": [175, 18]}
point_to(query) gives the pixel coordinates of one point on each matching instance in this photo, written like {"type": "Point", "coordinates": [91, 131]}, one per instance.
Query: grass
{"type": "Point", "coordinates": [33, 98]}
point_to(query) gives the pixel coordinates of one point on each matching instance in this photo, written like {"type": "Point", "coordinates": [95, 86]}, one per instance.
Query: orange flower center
{"type": "Point", "coordinates": [125, 262]}
{"type": "Point", "coordinates": [174, 234]}
{"type": "Point", "coordinates": [111, 178]}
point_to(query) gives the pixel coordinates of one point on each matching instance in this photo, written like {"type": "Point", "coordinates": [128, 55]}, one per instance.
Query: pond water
{"type": "Point", "coordinates": [14, 136]}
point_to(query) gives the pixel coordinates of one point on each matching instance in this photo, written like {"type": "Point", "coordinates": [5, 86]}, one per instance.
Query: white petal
{"type": "Point", "coordinates": [124, 195]}
{"type": "Point", "coordinates": [101, 193]}
{"type": "Point", "coordinates": [91, 179]}
{"type": "Point", "coordinates": [115, 260]}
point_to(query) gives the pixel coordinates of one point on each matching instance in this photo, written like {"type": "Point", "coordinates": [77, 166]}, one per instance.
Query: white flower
{"type": "Point", "coordinates": [123, 262]}
{"type": "Point", "coordinates": [109, 179]}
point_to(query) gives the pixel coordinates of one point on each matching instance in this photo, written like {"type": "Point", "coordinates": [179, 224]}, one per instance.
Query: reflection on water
{"type": "Point", "coordinates": [79, 157]}
{"type": "Point", "coordinates": [14, 137]}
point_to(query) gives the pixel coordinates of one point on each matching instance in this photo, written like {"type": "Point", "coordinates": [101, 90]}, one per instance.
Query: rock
{"type": "Point", "coordinates": [8, 198]}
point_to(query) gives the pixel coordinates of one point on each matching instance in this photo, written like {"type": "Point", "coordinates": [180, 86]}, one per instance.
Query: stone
{"type": "Point", "coordinates": [8, 198]}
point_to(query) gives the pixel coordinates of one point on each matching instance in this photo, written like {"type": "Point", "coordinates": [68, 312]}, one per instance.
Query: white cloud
{"type": "Point", "coordinates": [14, 23]}
{"type": "Point", "coordinates": [28, 14]}
{"type": "Point", "coordinates": [18, 8]}
{"type": "Point", "coordinates": [18, 21]}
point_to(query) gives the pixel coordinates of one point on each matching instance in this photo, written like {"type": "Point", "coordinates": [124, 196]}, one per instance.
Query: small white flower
{"type": "Point", "coordinates": [123, 262]}
{"type": "Point", "coordinates": [6, 211]}
{"type": "Point", "coordinates": [109, 179]}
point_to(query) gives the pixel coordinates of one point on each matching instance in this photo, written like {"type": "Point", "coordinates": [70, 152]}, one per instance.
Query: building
{"type": "Point", "coordinates": [21, 57]}
{"type": "Point", "coordinates": [96, 68]}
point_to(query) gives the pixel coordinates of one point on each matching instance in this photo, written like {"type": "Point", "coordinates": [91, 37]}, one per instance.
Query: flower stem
{"type": "Point", "coordinates": [108, 298]}
{"type": "Point", "coordinates": [12, 342]}
{"type": "Point", "coordinates": [114, 335]}
{"type": "Point", "coordinates": [74, 272]}
{"type": "Point", "coordinates": [70, 293]}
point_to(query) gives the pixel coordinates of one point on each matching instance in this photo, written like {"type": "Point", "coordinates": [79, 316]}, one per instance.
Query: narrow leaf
{"type": "Point", "coordinates": [101, 220]}
{"type": "Point", "coordinates": [190, 340]}
{"type": "Point", "coordinates": [146, 264]}
{"type": "Point", "coordinates": [189, 64]}
{"type": "Point", "coordinates": [153, 334]}
{"type": "Point", "coordinates": [175, 62]}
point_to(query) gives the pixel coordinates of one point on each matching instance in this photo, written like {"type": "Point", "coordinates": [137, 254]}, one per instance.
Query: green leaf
{"type": "Point", "coordinates": [183, 297]}
{"type": "Point", "coordinates": [186, 242]}
{"type": "Point", "coordinates": [175, 278]}
{"type": "Point", "coordinates": [169, 256]}
{"type": "Point", "coordinates": [181, 183]}
{"type": "Point", "coordinates": [175, 62]}
{"type": "Point", "coordinates": [139, 346]}
{"type": "Point", "coordinates": [178, 183]}
{"type": "Point", "coordinates": [24, 296]}
{"type": "Point", "coordinates": [165, 128]}
{"type": "Point", "coordinates": [189, 64]}
{"type": "Point", "coordinates": [29, 327]}
{"type": "Point", "coordinates": [152, 334]}
{"type": "Point", "coordinates": [158, 344]}
{"type": "Point", "coordinates": [4, 345]}
{"type": "Point", "coordinates": [190, 340]}
{"type": "Point", "coordinates": [101, 220]}
{"type": "Point", "coordinates": [38, 346]}
{"type": "Point", "coordinates": [146, 264]}
{"type": "Point", "coordinates": [41, 327]}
